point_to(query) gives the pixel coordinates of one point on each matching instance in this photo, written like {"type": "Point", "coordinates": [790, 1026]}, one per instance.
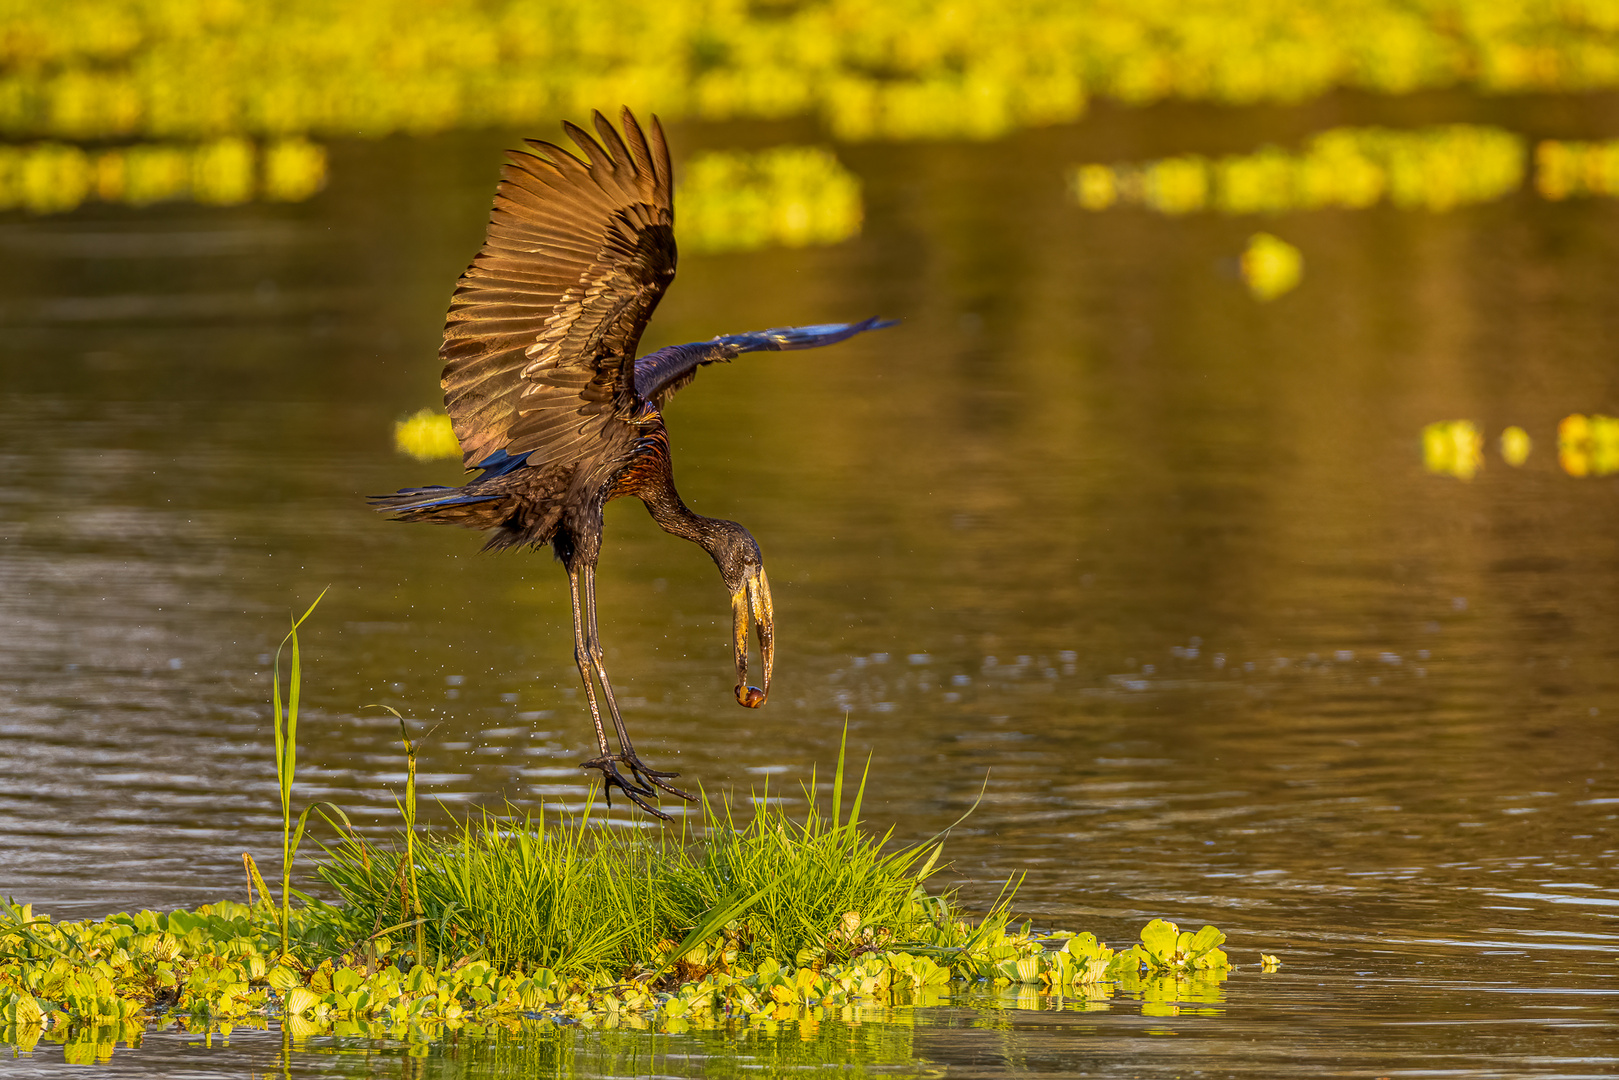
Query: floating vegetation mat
{"type": "Point", "coordinates": [503, 921]}
{"type": "Point", "coordinates": [83, 69]}
{"type": "Point", "coordinates": [1435, 168]}
{"type": "Point", "coordinates": [1586, 446]}
{"type": "Point", "coordinates": [90, 985]}
{"type": "Point", "coordinates": [788, 196]}
{"type": "Point", "coordinates": [53, 177]}
{"type": "Point", "coordinates": [1270, 266]}
{"type": "Point", "coordinates": [1567, 169]}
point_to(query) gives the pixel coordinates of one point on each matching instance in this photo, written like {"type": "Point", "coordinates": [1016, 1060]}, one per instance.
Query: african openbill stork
{"type": "Point", "coordinates": [557, 415]}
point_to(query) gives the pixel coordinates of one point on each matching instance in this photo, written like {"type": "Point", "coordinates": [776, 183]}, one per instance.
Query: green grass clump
{"type": "Point", "coordinates": [567, 895]}
{"type": "Point", "coordinates": [511, 922]}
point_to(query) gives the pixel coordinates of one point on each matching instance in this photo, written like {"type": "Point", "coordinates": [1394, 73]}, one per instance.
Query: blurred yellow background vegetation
{"type": "Point", "coordinates": [199, 69]}
{"type": "Point", "coordinates": [787, 196]}
{"type": "Point", "coordinates": [138, 101]}
{"type": "Point", "coordinates": [1586, 446]}
{"type": "Point", "coordinates": [52, 177]}
{"type": "Point", "coordinates": [1434, 168]}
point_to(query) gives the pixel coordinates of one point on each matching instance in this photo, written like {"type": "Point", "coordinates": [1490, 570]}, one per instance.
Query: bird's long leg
{"type": "Point", "coordinates": [607, 763]}
{"type": "Point", "coordinates": [626, 753]}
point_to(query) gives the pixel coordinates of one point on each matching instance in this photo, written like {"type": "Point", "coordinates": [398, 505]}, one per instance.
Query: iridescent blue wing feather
{"type": "Point", "coordinates": [659, 374]}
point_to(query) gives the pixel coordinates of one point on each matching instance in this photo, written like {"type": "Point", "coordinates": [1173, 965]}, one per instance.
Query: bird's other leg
{"type": "Point", "coordinates": [611, 777]}
{"type": "Point", "coordinates": [626, 754]}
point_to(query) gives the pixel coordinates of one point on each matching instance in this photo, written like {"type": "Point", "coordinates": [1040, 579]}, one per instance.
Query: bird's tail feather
{"type": "Point", "coordinates": [446, 506]}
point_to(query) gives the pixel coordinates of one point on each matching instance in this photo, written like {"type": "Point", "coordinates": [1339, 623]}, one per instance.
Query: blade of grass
{"type": "Point", "coordinates": [286, 756]}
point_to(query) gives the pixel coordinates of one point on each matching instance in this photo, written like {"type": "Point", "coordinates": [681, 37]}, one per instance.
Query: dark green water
{"type": "Point", "coordinates": [1160, 561]}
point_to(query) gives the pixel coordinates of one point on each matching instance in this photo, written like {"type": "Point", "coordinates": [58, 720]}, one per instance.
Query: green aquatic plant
{"type": "Point", "coordinates": [1436, 169]}
{"type": "Point", "coordinates": [286, 761]}
{"type": "Point", "coordinates": [1166, 947]}
{"type": "Point", "coordinates": [94, 982]}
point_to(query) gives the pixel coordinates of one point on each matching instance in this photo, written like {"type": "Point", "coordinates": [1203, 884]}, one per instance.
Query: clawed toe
{"type": "Point", "coordinates": [637, 785]}
{"type": "Point", "coordinates": [655, 778]}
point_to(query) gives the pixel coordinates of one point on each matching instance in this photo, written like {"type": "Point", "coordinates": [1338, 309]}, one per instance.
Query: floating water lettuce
{"type": "Point", "coordinates": [1436, 169]}
{"type": "Point", "coordinates": [426, 435]}
{"type": "Point", "coordinates": [1515, 445]}
{"type": "Point", "coordinates": [1453, 448]}
{"type": "Point", "coordinates": [1588, 445]}
{"type": "Point", "coordinates": [53, 177]}
{"type": "Point", "coordinates": [1271, 266]}
{"type": "Point", "coordinates": [791, 196]}
{"type": "Point", "coordinates": [95, 983]}
{"type": "Point", "coordinates": [1567, 169]}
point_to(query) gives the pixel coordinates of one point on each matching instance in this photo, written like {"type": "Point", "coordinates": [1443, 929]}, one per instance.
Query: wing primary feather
{"type": "Point", "coordinates": [540, 339]}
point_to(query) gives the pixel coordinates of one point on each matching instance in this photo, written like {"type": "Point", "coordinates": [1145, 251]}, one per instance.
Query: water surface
{"type": "Point", "coordinates": [1149, 571]}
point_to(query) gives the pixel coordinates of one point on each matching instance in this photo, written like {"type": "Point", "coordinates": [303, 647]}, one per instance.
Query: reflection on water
{"type": "Point", "coordinates": [1159, 562]}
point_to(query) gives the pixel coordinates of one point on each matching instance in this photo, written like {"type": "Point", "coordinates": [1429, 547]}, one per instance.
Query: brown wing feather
{"type": "Point", "coordinates": [539, 346]}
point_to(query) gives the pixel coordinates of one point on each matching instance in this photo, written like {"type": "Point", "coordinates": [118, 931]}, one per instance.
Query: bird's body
{"type": "Point", "coordinates": [555, 412]}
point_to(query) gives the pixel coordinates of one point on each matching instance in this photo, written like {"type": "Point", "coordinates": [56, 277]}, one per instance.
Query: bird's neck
{"type": "Point", "coordinates": [673, 516]}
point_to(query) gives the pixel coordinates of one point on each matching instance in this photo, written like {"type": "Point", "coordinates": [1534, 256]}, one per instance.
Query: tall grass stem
{"type": "Point", "coordinates": [286, 760]}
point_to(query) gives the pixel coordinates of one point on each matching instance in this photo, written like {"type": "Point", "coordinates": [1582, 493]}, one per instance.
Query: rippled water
{"type": "Point", "coordinates": [1153, 567]}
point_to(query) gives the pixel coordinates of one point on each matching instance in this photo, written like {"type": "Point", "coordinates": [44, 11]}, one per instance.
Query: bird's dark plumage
{"type": "Point", "coordinates": [552, 408]}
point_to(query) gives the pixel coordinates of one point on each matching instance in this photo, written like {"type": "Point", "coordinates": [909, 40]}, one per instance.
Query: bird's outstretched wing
{"type": "Point", "coordinates": [540, 341]}
{"type": "Point", "coordinates": [659, 374]}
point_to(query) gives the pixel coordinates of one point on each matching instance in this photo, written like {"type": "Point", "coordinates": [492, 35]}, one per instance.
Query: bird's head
{"type": "Point", "coordinates": [737, 555]}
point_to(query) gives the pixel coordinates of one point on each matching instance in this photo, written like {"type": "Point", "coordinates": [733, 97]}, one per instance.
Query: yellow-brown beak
{"type": "Point", "coordinates": [753, 601]}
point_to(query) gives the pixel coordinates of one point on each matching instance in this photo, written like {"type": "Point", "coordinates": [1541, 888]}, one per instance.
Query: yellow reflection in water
{"type": "Point", "coordinates": [1184, 993]}
{"type": "Point", "coordinates": [1588, 445]}
{"type": "Point", "coordinates": [426, 436]}
{"type": "Point", "coordinates": [1271, 266]}
{"type": "Point", "coordinates": [1453, 447]}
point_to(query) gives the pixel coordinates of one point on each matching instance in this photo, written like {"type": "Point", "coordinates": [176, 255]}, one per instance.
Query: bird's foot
{"type": "Point", "coordinates": [653, 776]}
{"type": "Point", "coordinates": [637, 785]}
